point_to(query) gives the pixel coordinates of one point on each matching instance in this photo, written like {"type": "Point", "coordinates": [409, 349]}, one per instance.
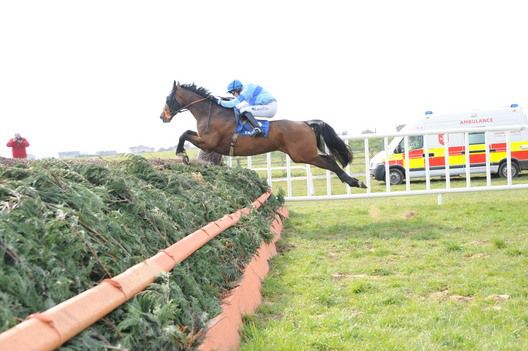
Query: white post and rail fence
{"type": "Point", "coordinates": [304, 182]}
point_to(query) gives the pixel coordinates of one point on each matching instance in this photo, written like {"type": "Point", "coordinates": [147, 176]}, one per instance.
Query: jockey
{"type": "Point", "coordinates": [251, 100]}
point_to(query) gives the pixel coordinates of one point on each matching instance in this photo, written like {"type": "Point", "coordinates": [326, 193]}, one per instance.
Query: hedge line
{"type": "Point", "coordinates": [65, 226]}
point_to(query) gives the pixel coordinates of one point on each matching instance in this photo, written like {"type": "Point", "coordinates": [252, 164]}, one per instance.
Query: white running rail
{"type": "Point", "coordinates": [305, 183]}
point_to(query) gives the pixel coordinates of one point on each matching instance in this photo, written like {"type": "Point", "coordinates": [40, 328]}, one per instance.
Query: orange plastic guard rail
{"type": "Point", "coordinates": [52, 328]}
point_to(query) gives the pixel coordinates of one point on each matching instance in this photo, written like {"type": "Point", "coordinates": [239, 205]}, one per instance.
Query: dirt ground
{"type": "Point", "coordinates": [10, 161]}
{"type": "Point", "coordinates": [204, 158]}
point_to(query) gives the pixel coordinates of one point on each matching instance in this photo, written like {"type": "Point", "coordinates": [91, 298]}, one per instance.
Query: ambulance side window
{"type": "Point", "coordinates": [415, 142]}
{"type": "Point", "coordinates": [476, 138]}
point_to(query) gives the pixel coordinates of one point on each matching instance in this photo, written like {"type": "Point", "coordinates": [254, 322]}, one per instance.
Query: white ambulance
{"type": "Point", "coordinates": [510, 116]}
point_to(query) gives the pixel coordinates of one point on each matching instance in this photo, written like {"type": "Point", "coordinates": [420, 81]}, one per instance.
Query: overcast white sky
{"type": "Point", "coordinates": [93, 75]}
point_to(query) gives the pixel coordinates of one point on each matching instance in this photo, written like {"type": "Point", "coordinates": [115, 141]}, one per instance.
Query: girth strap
{"type": "Point", "coordinates": [234, 139]}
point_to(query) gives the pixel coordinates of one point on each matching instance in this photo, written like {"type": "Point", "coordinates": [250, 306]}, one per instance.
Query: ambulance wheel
{"type": "Point", "coordinates": [503, 169]}
{"type": "Point", "coordinates": [396, 176]}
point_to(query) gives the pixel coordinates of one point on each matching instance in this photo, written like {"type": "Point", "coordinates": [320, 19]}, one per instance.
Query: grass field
{"type": "Point", "coordinates": [399, 274]}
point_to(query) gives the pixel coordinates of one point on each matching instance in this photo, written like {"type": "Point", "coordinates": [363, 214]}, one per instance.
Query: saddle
{"type": "Point", "coordinates": [244, 128]}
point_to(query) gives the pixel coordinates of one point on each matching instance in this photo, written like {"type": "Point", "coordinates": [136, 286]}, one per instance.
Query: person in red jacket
{"type": "Point", "coordinates": [19, 144]}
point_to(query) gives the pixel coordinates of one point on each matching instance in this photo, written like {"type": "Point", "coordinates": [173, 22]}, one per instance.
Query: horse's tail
{"type": "Point", "coordinates": [326, 135]}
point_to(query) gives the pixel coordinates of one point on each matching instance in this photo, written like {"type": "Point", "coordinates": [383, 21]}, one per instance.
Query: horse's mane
{"type": "Point", "coordinates": [198, 90]}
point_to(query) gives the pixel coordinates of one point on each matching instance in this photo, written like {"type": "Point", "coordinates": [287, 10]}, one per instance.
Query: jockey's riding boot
{"type": "Point", "coordinates": [254, 123]}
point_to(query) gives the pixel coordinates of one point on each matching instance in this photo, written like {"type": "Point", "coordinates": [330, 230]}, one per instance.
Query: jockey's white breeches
{"type": "Point", "coordinates": [265, 111]}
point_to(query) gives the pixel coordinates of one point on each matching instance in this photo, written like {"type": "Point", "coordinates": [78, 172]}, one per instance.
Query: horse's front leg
{"type": "Point", "coordinates": [180, 150]}
{"type": "Point", "coordinates": [194, 139]}
{"type": "Point", "coordinates": [186, 136]}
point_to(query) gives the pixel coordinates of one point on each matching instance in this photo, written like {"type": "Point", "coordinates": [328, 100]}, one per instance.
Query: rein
{"type": "Point", "coordinates": [184, 108]}
{"type": "Point", "coordinates": [181, 109]}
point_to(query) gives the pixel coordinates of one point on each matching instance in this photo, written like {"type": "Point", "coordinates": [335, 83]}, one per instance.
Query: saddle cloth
{"type": "Point", "coordinates": [244, 128]}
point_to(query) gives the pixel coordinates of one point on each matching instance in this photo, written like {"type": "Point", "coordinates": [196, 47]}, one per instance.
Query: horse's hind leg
{"type": "Point", "coordinates": [328, 162]}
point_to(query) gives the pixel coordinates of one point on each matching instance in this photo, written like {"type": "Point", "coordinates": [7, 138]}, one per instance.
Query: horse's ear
{"type": "Point", "coordinates": [174, 86]}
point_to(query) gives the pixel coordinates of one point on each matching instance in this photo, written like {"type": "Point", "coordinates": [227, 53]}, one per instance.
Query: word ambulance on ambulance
{"type": "Point", "coordinates": [435, 143]}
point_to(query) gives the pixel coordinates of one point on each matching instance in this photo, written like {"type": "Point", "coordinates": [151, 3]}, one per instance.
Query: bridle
{"type": "Point", "coordinates": [169, 115]}
{"type": "Point", "coordinates": [183, 108]}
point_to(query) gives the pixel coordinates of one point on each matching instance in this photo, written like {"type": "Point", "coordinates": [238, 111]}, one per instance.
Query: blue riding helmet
{"type": "Point", "coordinates": [234, 85]}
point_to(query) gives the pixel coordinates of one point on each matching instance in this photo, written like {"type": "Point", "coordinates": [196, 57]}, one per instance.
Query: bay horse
{"type": "Point", "coordinates": [304, 141]}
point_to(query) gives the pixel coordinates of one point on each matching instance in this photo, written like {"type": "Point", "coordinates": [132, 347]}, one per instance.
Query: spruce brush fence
{"type": "Point", "coordinates": [67, 226]}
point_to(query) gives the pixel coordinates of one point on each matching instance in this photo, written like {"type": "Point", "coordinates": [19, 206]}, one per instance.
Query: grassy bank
{"type": "Point", "coordinates": [399, 274]}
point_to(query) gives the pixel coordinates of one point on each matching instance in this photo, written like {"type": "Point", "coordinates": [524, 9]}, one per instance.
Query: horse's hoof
{"type": "Point", "coordinates": [362, 185]}
{"type": "Point", "coordinates": [183, 158]}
